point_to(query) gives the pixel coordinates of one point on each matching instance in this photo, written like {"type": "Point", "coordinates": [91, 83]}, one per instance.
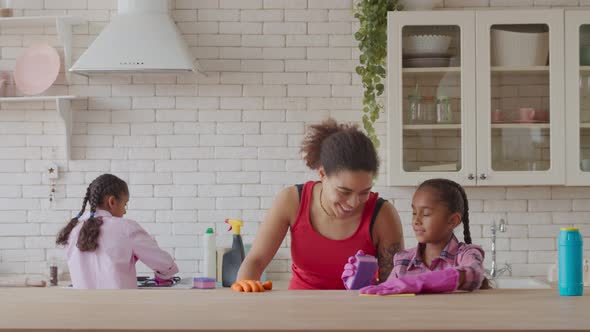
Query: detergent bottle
{"type": "Point", "coordinates": [209, 254]}
{"type": "Point", "coordinates": [233, 258]}
{"type": "Point", "coordinates": [570, 262]}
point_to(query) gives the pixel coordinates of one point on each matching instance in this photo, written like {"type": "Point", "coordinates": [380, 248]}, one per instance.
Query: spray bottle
{"type": "Point", "coordinates": [233, 258]}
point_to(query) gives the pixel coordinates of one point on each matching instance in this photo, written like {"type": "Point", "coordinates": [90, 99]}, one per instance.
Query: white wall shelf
{"type": "Point", "coordinates": [31, 21]}
{"type": "Point", "coordinates": [433, 127]}
{"type": "Point", "coordinates": [63, 25]}
{"type": "Point", "coordinates": [520, 126]}
{"type": "Point", "coordinates": [429, 70]}
{"type": "Point", "coordinates": [534, 69]}
{"type": "Point", "coordinates": [34, 98]}
{"type": "Point", "coordinates": [62, 106]}
{"type": "Point", "coordinates": [585, 125]}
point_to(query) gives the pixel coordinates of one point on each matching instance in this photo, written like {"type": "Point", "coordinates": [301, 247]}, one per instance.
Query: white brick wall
{"type": "Point", "coordinates": [197, 149]}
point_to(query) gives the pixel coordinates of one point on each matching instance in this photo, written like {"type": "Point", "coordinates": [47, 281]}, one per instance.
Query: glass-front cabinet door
{"type": "Point", "coordinates": [520, 99]}
{"type": "Point", "coordinates": [431, 97]}
{"type": "Point", "coordinates": [577, 101]}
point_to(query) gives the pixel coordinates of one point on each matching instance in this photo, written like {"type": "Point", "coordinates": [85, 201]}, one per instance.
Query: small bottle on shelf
{"type": "Point", "coordinates": [428, 109]}
{"type": "Point", "coordinates": [7, 88]}
{"type": "Point", "coordinates": [414, 114]}
{"type": "Point", "coordinates": [6, 9]}
{"type": "Point", "coordinates": [443, 110]}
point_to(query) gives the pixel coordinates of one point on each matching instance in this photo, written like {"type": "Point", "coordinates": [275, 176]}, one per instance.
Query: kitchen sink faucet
{"type": "Point", "coordinates": [494, 272]}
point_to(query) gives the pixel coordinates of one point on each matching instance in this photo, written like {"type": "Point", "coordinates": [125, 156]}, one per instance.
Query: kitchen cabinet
{"type": "Point", "coordinates": [577, 97]}
{"type": "Point", "coordinates": [476, 97]}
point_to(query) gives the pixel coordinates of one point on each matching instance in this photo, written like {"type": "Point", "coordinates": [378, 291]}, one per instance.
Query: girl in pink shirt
{"type": "Point", "coordinates": [440, 263]}
{"type": "Point", "coordinates": [102, 247]}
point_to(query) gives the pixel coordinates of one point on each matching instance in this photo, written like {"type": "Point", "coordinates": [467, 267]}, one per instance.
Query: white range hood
{"type": "Point", "coordinates": [141, 38]}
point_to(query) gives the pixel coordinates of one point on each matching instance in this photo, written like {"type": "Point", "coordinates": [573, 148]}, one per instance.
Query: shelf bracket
{"type": "Point", "coordinates": [64, 110]}
{"type": "Point", "coordinates": [64, 32]}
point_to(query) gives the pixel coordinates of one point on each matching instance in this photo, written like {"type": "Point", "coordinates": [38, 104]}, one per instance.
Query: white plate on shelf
{"type": "Point", "coordinates": [426, 62]}
{"type": "Point", "coordinates": [36, 69]}
{"type": "Point", "coordinates": [425, 44]}
{"type": "Point", "coordinates": [518, 121]}
{"type": "Point", "coordinates": [411, 55]}
{"type": "Point", "coordinates": [438, 168]}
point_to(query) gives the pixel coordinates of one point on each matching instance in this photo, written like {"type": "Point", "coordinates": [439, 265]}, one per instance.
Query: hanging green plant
{"type": "Point", "coordinates": [372, 37]}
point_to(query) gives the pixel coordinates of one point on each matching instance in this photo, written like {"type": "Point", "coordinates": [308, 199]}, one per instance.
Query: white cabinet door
{"type": "Point", "coordinates": [431, 96]}
{"type": "Point", "coordinates": [577, 101]}
{"type": "Point", "coordinates": [520, 97]}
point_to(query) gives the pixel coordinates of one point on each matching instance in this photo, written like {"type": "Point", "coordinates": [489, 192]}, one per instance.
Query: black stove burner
{"type": "Point", "coordinates": [152, 282]}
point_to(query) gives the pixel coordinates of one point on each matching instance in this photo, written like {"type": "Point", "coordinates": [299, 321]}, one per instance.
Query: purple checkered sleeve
{"type": "Point", "coordinates": [470, 261]}
{"type": "Point", "coordinates": [467, 258]}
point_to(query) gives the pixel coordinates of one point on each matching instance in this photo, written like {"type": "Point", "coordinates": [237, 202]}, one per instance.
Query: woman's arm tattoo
{"type": "Point", "coordinates": [385, 260]}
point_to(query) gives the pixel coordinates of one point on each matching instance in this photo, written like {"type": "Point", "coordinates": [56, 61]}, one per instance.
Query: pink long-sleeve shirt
{"type": "Point", "coordinates": [460, 256]}
{"type": "Point", "coordinates": [122, 242]}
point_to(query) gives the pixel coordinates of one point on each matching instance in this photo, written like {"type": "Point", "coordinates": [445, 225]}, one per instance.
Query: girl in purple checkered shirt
{"type": "Point", "coordinates": [440, 263]}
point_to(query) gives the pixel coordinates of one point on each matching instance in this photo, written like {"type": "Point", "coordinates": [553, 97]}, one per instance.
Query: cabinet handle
{"type": "Point", "coordinates": [483, 176]}
{"type": "Point", "coordinates": [470, 176]}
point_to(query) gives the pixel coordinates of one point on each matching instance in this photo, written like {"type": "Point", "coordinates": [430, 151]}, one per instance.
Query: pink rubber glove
{"type": "Point", "coordinates": [359, 271]}
{"type": "Point", "coordinates": [163, 282]}
{"type": "Point", "coordinates": [431, 282]}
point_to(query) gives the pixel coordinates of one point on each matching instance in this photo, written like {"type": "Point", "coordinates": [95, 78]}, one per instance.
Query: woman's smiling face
{"type": "Point", "coordinates": [345, 192]}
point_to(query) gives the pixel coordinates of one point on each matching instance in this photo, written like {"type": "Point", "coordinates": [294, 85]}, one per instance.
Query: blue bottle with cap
{"type": "Point", "coordinates": [570, 253]}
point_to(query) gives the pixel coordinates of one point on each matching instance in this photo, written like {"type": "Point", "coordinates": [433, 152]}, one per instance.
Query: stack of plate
{"type": "Point", "coordinates": [426, 51]}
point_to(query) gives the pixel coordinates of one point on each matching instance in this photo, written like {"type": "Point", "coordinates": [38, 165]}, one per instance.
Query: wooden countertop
{"type": "Point", "coordinates": [58, 309]}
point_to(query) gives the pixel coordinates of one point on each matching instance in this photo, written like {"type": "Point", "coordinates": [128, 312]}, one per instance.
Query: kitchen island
{"type": "Point", "coordinates": [178, 309]}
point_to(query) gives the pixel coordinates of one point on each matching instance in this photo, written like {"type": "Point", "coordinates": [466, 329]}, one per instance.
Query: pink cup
{"type": "Point", "coordinates": [526, 113]}
{"type": "Point", "coordinates": [497, 116]}
{"type": "Point", "coordinates": [5, 82]}
{"type": "Point", "coordinates": [542, 116]}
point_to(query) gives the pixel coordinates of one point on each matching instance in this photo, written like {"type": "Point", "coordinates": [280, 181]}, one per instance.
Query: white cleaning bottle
{"type": "Point", "coordinates": [552, 273]}
{"type": "Point", "coordinates": [209, 254]}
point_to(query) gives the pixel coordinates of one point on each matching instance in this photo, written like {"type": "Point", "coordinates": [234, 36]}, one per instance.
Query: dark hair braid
{"type": "Point", "coordinates": [338, 147]}
{"type": "Point", "coordinates": [64, 233]}
{"type": "Point", "coordinates": [90, 231]}
{"type": "Point", "coordinates": [103, 186]}
{"type": "Point", "coordinates": [465, 218]}
{"type": "Point", "coordinates": [453, 196]}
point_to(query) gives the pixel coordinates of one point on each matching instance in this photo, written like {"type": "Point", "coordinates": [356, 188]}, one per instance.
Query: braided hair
{"type": "Point", "coordinates": [102, 187]}
{"type": "Point", "coordinates": [453, 196]}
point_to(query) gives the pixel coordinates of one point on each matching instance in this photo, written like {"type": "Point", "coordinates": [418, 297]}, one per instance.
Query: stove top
{"type": "Point", "coordinates": [144, 282]}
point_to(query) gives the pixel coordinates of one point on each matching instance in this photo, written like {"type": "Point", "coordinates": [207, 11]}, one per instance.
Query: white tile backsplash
{"type": "Point", "coordinates": [199, 148]}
